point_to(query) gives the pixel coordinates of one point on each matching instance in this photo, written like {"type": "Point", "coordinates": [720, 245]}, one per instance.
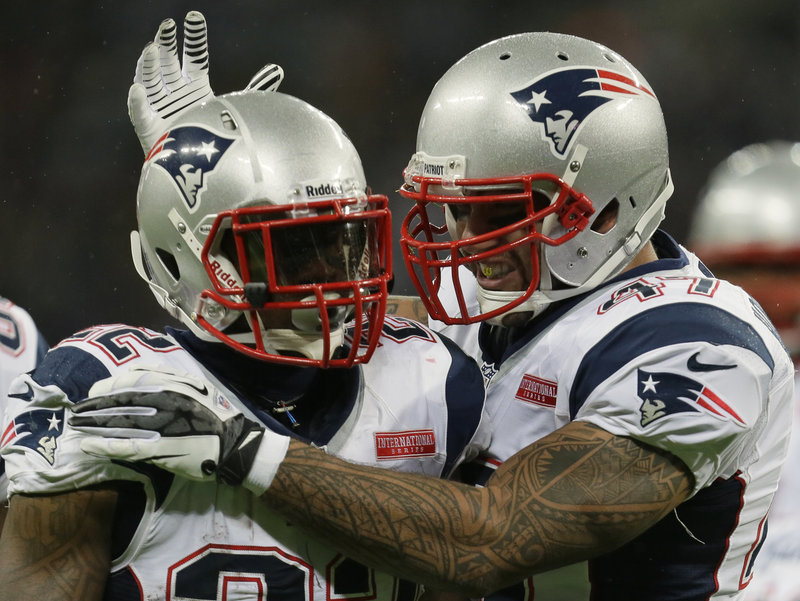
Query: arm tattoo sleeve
{"type": "Point", "coordinates": [57, 547]}
{"type": "Point", "coordinates": [407, 306]}
{"type": "Point", "coordinates": [574, 494]}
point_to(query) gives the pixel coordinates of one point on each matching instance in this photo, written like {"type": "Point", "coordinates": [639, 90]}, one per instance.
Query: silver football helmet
{"type": "Point", "coordinates": [256, 228]}
{"type": "Point", "coordinates": [746, 228]}
{"type": "Point", "coordinates": [560, 124]}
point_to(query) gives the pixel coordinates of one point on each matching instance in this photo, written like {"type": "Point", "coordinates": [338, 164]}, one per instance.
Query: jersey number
{"type": "Point", "coordinates": [643, 290]}
{"type": "Point", "coordinates": [228, 571]}
{"type": "Point", "coordinates": [121, 344]}
{"type": "Point", "coordinates": [10, 339]}
{"type": "Point", "coordinates": [400, 330]}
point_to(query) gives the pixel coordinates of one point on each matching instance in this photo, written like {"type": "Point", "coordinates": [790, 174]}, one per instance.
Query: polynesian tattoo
{"type": "Point", "coordinates": [574, 494]}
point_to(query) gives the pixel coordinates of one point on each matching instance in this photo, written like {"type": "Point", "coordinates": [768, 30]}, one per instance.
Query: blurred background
{"type": "Point", "coordinates": [725, 73]}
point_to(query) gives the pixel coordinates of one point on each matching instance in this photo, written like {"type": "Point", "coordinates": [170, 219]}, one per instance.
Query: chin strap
{"type": "Point", "coordinates": [308, 344]}
{"type": "Point", "coordinates": [537, 302]}
{"type": "Point", "coordinates": [162, 294]}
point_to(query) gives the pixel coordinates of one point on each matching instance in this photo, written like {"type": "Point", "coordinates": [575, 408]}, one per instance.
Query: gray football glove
{"type": "Point", "coordinates": [165, 87]}
{"type": "Point", "coordinates": [179, 423]}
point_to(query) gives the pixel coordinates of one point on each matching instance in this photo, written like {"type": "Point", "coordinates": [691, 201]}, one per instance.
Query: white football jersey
{"type": "Point", "coordinates": [21, 348]}
{"type": "Point", "coordinates": [465, 336]}
{"type": "Point", "coordinates": [672, 357]}
{"type": "Point", "coordinates": [21, 344]}
{"type": "Point", "coordinates": [777, 576]}
{"type": "Point", "coordinates": [417, 406]}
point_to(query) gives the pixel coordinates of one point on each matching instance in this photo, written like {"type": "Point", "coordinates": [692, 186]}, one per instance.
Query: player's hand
{"type": "Point", "coordinates": [164, 87]}
{"type": "Point", "coordinates": [179, 423]}
{"type": "Point", "coordinates": [268, 78]}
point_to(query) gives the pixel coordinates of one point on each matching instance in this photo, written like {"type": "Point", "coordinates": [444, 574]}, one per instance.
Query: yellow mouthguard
{"type": "Point", "coordinates": [487, 270]}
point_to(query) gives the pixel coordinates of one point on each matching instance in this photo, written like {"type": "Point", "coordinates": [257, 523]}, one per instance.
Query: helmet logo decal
{"type": "Point", "coordinates": [562, 100]}
{"type": "Point", "coordinates": [189, 154]}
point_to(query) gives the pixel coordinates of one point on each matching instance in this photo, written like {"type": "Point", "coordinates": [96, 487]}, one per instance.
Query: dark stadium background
{"type": "Point", "coordinates": [725, 72]}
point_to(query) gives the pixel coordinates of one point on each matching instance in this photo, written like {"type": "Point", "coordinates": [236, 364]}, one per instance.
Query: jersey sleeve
{"type": "Point", "coordinates": [703, 388]}
{"type": "Point", "coordinates": [469, 426]}
{"type": "Point", "coordinates": [422, 382]}
{"type": "Point", "coordinates": [22, 347]}
{"type": "Point", "coordinates": [41, 452]}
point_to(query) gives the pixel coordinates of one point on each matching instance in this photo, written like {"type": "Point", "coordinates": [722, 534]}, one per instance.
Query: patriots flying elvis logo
{"type": "Point", "coordinates": [665, 393]}
{"type": "Point", "coordinates": [37, 429]}
{"type": "Point", "coordinates": [560, 101]}
{"type": "Point", "coordinates": [189, 154]}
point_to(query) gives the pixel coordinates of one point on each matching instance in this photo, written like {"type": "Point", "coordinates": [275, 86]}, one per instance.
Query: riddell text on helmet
{"type": "Point", "coordinates": [223, 276]}
{"type": "Point", "coordinates": [329, 189]}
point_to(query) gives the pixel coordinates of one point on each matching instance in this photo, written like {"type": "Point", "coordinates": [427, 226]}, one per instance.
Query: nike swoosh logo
{"type": "Point", "coordinates": [24, 396]}
{"type": "Point", "coordinates": [694, 365]}
{"type": "Point", "coordinates": [203, 390]}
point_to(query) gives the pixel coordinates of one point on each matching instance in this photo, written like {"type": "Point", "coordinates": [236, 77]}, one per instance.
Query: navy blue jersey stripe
{"type": "Point", "coordinates": [476, 472]}
{"type": "Point", "coordinates": [123, 586]}
{"type": "Point", "coordinates": [74, 371]}
{"type": "Point", "coordinates": [656, 328]}
{"type": "Point", "coordinates": [465, 395]}
{"type": "Point", "coordinates": [677, 558]}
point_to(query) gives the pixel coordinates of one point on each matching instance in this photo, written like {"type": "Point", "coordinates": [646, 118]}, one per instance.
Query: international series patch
{"type": "Point", "coordinates": [537, 391]}
{"type": "Point", "coordinates": [403, 445]}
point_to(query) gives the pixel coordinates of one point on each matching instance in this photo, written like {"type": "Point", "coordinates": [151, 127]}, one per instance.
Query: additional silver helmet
{"type": "Point", "coordinates": [256, 229]}
{"type": "Point", "coordinates": [538, 113]}
{"type": "Point", "coordinates": [746, 228]}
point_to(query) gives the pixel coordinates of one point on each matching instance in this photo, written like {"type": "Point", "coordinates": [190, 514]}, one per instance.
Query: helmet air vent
{"type": "Point", "coordinates": [607, 218]}
{"type": "Point", "coordinates": [170, 264]}
{"type": "Point", "coordinates": [228, 122]}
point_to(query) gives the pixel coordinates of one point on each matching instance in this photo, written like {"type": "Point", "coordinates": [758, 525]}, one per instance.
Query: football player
{"type": "Point", "coordinates": [747, 230]}
{"type": "Point", "coordinates": [641, 407]}
{"type": "Point", "coordinates": [257, 231]}
{"type": "Point", "coordinates": [22, 347]}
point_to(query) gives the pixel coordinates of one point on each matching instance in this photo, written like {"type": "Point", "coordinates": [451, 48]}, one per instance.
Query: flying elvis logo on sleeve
{"type": "Point", "coordinates": [37, 429]}
{"type": "Point", "coordinates": [665, 393]}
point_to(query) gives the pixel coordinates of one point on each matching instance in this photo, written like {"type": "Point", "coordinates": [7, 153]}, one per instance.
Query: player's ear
{"type": "Point", "coordinates": [607, 218]}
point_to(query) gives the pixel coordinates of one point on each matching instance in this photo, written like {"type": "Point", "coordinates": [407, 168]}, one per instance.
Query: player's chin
{"type": "Point", "coordinates": [516, 320]}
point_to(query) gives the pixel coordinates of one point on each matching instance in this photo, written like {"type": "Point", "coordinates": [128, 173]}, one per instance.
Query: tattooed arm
{"type": "Point", "coordinates": [407, 306]}
{"type": "Point", "coordinates": [57, 547]}
{"type": "Point", "coordinates": [574, 494]}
